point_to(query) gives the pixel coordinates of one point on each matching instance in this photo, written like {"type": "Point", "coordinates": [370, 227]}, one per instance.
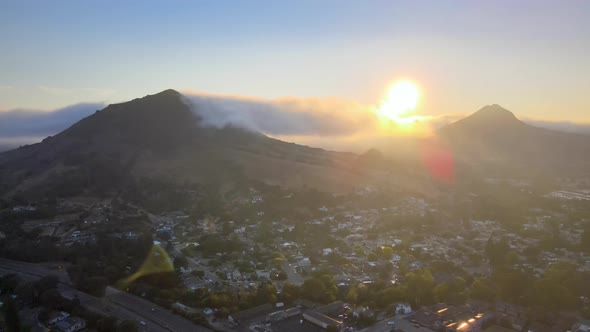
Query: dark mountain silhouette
{"type": "Point", "coordinates": [493, 134]}
{"type": "Point", "coordinates": [159, 136]}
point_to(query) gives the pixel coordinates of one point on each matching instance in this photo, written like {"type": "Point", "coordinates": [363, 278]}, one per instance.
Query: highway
{"type": "Point", "coordinates": [116, 303]}
{"type": "Point", "coordinates": [152, 312]}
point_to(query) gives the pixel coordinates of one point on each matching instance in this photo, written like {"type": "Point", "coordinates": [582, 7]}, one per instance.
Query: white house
{"type": "Point", "coordinates": [57, 316]}
{"type": "Point", "coordinates": [71, 324]}
{"type": "Point", "coordinates": [403, 308]}
{"type": "Point", "coordinates": [305, 262]}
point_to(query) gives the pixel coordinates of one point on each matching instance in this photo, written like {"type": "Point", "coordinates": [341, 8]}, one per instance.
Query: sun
{"type": "Point", "coordinates": [401, 99]}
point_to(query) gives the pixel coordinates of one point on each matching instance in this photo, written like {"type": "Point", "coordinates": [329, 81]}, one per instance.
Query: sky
{"type": "Point", "coordinates": [530, 56]}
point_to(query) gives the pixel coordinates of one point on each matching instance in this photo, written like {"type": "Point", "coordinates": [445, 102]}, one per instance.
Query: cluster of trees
{"type": "Point", "coordinates": [559, 287]}
{"type": "Point", "coordinates": [320, 288]}
{"type": "Point", "coordinates": [209, 245]}
{"type": "Point", "coordinates": [94, 266]}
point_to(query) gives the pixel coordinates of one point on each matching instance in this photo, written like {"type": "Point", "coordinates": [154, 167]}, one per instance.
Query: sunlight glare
{"type": "Point", "coordinates": [402, 98]}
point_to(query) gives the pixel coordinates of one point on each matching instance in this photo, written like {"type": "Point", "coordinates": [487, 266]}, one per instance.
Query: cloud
{"type": "Point", "coordinates": [23, 126]}
{"type": "Point", "coordinates": [284, 116]}
{"type": "Point", "coordinates": [332, 123]}
{"type": "Point", "coordinates": [570, 127]}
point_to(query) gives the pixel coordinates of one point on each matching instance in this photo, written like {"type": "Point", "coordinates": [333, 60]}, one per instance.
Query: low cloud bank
{"type": "Point", "coordinates": [331, 123]}
{"type": "Point", "coordinates": [285, 116]}
{"type": "Point", "coordinates": [570, 127]}
{"type": "Point", "coordinates": [25, 126]}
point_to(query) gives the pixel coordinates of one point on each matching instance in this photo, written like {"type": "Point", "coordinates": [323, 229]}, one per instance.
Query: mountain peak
{"type": "Point", "coordinates": [490, 117]}
{"type": "Point", "coordinates": [494, 112]}
{"type": "Point", "coordinates": [161, 119]}
{"type": "Point", "coordinates": [167, 92]}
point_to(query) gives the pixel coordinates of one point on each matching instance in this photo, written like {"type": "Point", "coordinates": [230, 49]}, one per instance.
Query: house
{"type": "Point", "coordinates": [282, 314]}
{"type": "Point", "coordinates": [262, 274]}
{"type": "Point", "coordinates": [326, 251]}
{"type": "Point", "coordinates": [208, 311]}
{"type": "Point", "coordinates": [71, 324]}
{"type": "Point", "coordinates": [581, 327]}
{"type": "Point", "coordinates": [305, 262]}
{"type": "Point", "coordinates": [183, 308]}
{"type": "Point", "coordinates": [403, 308]}
{"type": "Point", "coordinates": [56, 316]}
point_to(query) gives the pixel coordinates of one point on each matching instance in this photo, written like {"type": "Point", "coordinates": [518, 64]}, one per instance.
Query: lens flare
{"type": "Point", "coordinates": [157, 261]}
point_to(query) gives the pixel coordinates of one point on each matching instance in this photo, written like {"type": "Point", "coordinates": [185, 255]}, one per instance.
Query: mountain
{"type": "Point", "coordinates": [160, 137]}
{"type": "Point", "coordinates": [494, 136]}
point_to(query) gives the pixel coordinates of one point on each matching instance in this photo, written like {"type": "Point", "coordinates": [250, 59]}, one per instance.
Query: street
{"type": "Point", "coordinates": [292, 275]}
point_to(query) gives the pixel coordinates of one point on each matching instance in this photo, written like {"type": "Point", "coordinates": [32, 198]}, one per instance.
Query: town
{"type": "Point", "coordinates": [500, 256]}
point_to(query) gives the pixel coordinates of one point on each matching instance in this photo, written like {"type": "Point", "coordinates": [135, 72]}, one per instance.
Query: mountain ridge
{"type": "Point", "coordinates": [159, 136]}
{"type": "Point", "coordinates": [494, 134]}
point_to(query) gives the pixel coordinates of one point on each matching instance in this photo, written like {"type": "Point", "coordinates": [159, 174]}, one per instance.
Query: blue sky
{"type": "Point", "coordinates": [529, 56]}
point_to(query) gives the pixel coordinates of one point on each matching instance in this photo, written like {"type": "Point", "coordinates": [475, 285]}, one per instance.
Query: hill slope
{"type": "Point", "coordinates": [158, 136]}
{"type": "Point", "coordinates": [494, 135]}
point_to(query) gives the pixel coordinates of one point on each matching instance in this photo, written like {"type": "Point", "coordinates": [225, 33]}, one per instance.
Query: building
{"type": "Point", "coordinates": [183, 308]}
{"type": "Point", "coordinates": [56, 316]}
{"type": "Point", "coordinates": [305, 262]}
{"type": "Point", "coordinates": [320, 320]}
{"type": "Point", "coordinates": [403, 308]}
{"type": "Point", "coordinates": [71, 324]}
{"type": "Point", "coordinates": [581, 327]}
{"type": "Point", "coordinates": [262, 274]}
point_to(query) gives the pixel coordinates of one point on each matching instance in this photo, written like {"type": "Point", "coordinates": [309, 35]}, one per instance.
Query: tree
{"type": "Point", "coordinates": [585, 243]}
{"type": "Point", "coordinates": [387, 252]}
{"type": "Point", "coordinates": [11, 316]}
{"type": "Point", "coordinates": [320, 288]}
{"type": "Point", "coordinates": [266, 293]}
{"type": "Point", "coordinates": [180, 261]}
{"type": "Point", "coordinates": [290, 293]}
{"type": "Point", "coordinates": [483, 289]}
{"type": "Point", "coordinates": [128, 326]}
{"type": "Point", "coordinates": [313, 289]}
{"type": "Point", "coordinates": [389, 296]}
{"type": "Point", "coordinates": [51, 299]}
{"type": "Point", "coordinates": [441, 292]}
{"type": "Point", "coordinates": [419, 286]}
{"type": "Point", "coordinates": [106, 324]}
{"type": "Point", "coordinates": [277, 261]}
{"type": "Point", "coordinates": [359, 251]}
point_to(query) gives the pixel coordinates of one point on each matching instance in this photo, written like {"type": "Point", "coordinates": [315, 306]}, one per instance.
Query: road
{"type": "Point", "coordinates": [292, 275]}
{"type": "Point", "coordinates": [152, 313]}
{"type": "Point", "coordinates": [116, 303]}
{"type": "Point", "coordinates": [209, 276]}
